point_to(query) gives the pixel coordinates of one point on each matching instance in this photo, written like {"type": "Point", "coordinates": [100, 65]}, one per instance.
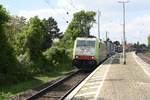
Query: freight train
{"type": "Point", "coordinates": [89, 52]}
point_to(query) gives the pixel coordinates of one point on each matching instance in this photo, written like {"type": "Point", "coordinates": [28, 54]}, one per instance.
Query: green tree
{"type": "Point", "coordinates": [14, 26]}
{"type": "Point", "coordinates": [51, 32]}
{"type": "Point", "coordinates": [35, 37]}
{"type": "Point", "coordinates": [10, 70]}
{"type": "Point", "coordinates": [80, 26]}
{"type": "Point", "coordinates": [30, 45]}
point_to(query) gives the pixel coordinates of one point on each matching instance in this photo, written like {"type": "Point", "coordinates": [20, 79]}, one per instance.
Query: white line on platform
{"type": "Point", "coordinates": [91, 87]}
{"type": "Point", "coordinates": [94, 79]}
{"type": "Point", "coordinates": [101, 85]}
{"type": "Point", "coordinates": [85, 94]}
{"type": "Point", "coordinates": [92, 83]}
{"type": "Point", "coordinates": [142, 64]}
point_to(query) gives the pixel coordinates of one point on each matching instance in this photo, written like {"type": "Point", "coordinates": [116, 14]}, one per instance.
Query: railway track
{"type": "Point", "coordinates": [60, 89]}
{"type": "Point", "coordinates": [145, 57]}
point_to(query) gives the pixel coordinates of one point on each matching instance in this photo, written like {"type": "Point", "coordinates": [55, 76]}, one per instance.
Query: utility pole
{"type": "Point", "coordinates": [106, 35]}
{"type": "Point", "coordinates": [124, 52]}
{"type": "Point", "coordinates": [99, 14]}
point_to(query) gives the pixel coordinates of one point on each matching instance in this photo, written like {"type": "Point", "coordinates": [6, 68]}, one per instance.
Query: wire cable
{"type": "Point", "coordinates": [48, 4]}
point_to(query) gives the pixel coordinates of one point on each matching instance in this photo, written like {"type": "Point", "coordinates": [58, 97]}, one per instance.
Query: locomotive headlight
{"type": "Point", "coordinates": [93, 57]}
{"type": "Point", "coordinates": [76, 56]}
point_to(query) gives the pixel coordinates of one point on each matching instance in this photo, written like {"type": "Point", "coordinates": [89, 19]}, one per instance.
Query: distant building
{"type": "Point", "coordinates": [129, 47]}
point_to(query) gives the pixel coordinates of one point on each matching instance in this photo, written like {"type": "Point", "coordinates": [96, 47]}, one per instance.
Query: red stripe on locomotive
{"type": "Point", "coordinates": [85, 57]}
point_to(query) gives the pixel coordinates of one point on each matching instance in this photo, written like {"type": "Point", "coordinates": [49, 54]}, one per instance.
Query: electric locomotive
{"type": "Point", "coordinates": [88, 53]}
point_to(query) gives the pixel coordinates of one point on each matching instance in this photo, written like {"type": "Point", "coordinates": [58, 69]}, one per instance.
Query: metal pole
{"type": "Point", "coordinates": [99, 14]}
{"type": "Point", "coordinates": [106, 35]}
{"type": "Point", "coordinates": [124, 52]}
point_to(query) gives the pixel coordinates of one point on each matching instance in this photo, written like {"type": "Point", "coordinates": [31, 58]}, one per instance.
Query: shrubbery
{"type": "Point", "coordinates": [58, 58]}
{"type": "Point", "coordinates": [21, 52]}
{"type": "Point", "coordinates": [10, 69]}
{"type": "Point", "coordinates": [28, 48]}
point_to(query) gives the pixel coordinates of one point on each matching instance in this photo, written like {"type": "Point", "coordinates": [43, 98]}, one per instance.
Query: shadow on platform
{"type": "Point", "coordinates": [114, 61]}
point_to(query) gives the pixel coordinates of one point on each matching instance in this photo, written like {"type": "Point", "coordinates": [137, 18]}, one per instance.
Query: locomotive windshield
{"type": "Point", "coordinates": [89, 43]}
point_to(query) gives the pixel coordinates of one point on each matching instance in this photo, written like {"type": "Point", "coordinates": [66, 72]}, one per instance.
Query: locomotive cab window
{"type": "Point", "coordinates": [85, 43]}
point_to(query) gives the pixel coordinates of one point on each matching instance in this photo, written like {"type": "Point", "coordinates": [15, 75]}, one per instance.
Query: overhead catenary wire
{"type": "Point", "coordinates": [71, 3]}
{"type": "Point", "coordinates": [47, 2]}
{"type": "Point", "coordinates": [74, 8]}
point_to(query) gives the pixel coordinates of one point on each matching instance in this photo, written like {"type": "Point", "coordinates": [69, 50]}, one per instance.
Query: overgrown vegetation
{"type": "Point", "coordinates": [10, 69]}
{"type": "Point", "coordinates": [140, 47]}
{"type": "Point", "coordinates": [27, 48]}
{"type": "Point", "coordinates": [38, 80]}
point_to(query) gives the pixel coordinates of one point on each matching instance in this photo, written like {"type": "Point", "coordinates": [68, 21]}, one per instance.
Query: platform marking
{"type": "Point", "coordinates": [142, 64]}
{"type": "Point", "coordinates": [84, 94]}
{"type": "Point", "coordinates": [92, 83]}
{"type": "Point", "coordinates": [93, 87]}
{"type": "Point", "coordinates": [95, 77]}
{"type": "Point", "coordinates": [101, 85]}
{"type": "Point", "coordinates": [94, 80]}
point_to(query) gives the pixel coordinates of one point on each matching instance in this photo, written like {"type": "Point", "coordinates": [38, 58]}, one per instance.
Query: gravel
{"type": "Point", "coordinates": [59, 91]}
{"type": "Point", "coordinates": [145, 57]}
{"type": "Point", "coordinates": [24, 95]}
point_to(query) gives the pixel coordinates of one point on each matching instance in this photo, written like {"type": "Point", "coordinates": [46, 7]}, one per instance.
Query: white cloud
{"type": "Point", "coordinates": [58, 14]}
{"type": "Point", "coordinates": [136, 30]}
{"type": "Point", "coordinates": [5, 3]}
{"type": "Point", "coordinates": [139, 28]}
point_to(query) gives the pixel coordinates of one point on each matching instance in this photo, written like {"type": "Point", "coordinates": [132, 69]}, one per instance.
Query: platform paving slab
{"type": "Point", "coordinates": [115, 81]}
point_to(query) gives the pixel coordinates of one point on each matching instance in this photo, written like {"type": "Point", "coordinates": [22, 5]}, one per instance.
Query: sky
{"type": "Point", "coordinates": [137, 15]}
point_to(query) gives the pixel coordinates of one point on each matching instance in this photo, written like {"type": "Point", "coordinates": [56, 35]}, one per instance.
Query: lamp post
{"type": "Point", "coordinates": [99, 14]}
{"type": "Point", "coordinates": [124, 52]}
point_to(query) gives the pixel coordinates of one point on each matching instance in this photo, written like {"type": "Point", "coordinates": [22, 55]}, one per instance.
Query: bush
{"type": "Point", "coordinates": [58, 58]}
{"type": "Point", "coordinates": [10, 69]}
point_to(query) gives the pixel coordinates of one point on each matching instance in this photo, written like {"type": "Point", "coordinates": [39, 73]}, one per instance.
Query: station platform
{"type": "Point", "coordinates": [114, 81]}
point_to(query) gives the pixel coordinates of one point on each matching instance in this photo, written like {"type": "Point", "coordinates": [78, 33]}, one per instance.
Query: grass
{"type": "Point", "coordinates": [8, 91]}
